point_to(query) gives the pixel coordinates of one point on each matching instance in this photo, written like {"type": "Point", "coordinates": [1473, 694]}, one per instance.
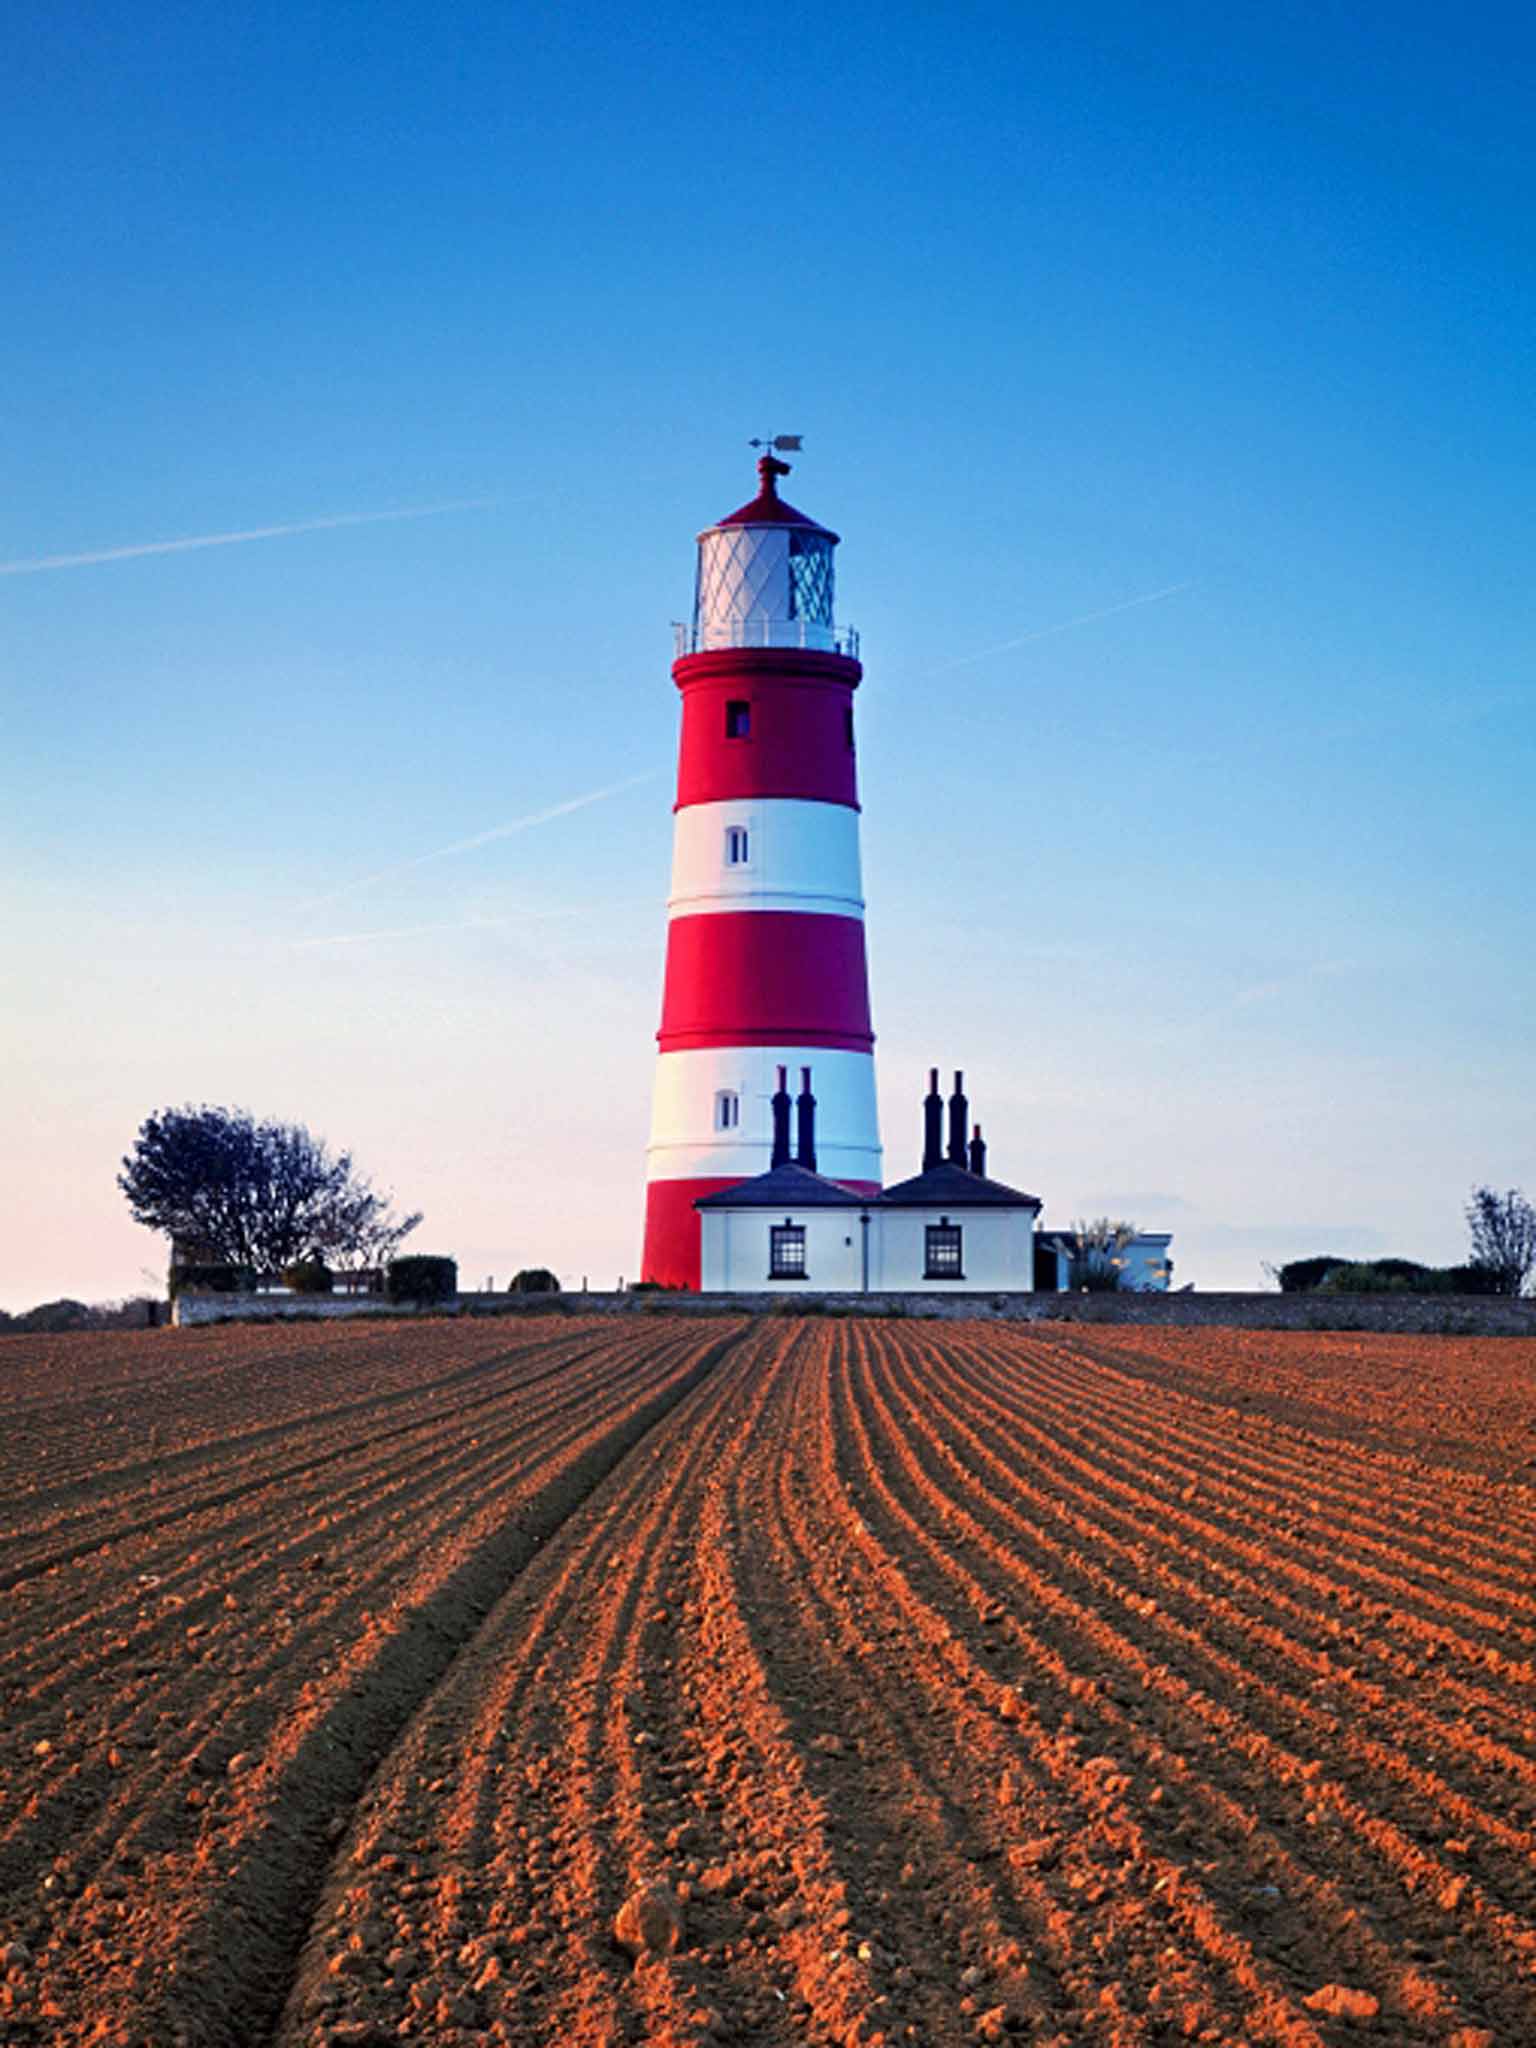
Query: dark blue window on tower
{"type": "Point", "coordinates": [810, 578]}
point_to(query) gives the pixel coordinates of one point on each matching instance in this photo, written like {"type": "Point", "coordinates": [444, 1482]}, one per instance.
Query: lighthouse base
{"type": "Point", "coordinates": [672, 1244]}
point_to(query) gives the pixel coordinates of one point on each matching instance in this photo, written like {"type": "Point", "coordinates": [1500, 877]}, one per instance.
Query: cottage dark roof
{"type": "Point", "coordinates": [784, 1187]}
{"type": "Point", "coordinates": [951, 1187]}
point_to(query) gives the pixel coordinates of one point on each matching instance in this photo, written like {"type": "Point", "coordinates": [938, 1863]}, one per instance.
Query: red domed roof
{"type": "Point", "coordinates": [768, 508]}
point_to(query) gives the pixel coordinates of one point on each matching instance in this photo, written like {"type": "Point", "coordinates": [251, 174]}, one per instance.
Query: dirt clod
{"type": "Point", "coordinates": [650, 1921]}
{"type": "Point", "coordinates": [1343, 2002]}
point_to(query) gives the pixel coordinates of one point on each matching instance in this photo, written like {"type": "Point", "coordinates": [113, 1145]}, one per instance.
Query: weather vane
{"type": "Point", "coordinates": [781, 444]}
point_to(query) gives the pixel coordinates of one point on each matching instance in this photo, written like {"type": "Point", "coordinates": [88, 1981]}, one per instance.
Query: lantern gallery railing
{"type": "Point", "coordinates": [763, 632]}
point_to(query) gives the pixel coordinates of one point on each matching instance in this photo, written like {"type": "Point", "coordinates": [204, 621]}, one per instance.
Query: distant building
{"type": "Point", "coordinates": [1144, 1264]}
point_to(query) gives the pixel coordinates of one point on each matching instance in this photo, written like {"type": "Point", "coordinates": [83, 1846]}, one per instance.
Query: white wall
{"type": "Point", "coordinates": [997, 1250]}
{"type": "Point", "coordinates": [735, 1250]}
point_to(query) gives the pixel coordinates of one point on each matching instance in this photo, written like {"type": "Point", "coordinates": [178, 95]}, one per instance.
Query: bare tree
{"type": "Point", "coordinates": [260, 1195]}
{"type": "Point", "coordinates": [1503, 1231]}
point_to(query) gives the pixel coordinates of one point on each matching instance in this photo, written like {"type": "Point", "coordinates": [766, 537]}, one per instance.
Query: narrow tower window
{"type": "Point", "coordinates": [738, 846]}
{"type": "Point", "coordinates": [738, 719]}
{"type": "Point", "coordinates": [727, 1110]}
{"type": "Point", "coordinates": [941, 1243]}
{"type": "Point", "coordinates": [848, 724]}
{"type": "Point", "coordinates": [786, 1251]}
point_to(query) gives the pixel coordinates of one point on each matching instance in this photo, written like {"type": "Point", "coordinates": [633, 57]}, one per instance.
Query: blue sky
{"type": "Point", "coordinates": [1221, 898]}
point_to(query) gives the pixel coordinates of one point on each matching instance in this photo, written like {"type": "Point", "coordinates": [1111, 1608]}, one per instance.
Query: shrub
{"type": "Point", "coordinates": [1367, 1277]}
{"type": "Point", "coordinates": [1473, 1278]}
{"type": "Point", "coordinates": [533, 1280]}
{"type": "Point", "coordinates": [211, 1277]}
{"type": "Point", "coordinates": [1099, 1259]}
{"type": "Point", "coordinates": [1092, 1276]}
{"type": "Point", "coordinates": [421, 1277]}
{"type": "Point", "coordinates": [308, 1276]}
{"type": "Point", "coordinates": [1408, 1270]}
{"type": "Point", "coordinates": [49, 1318]}
{"type": "Point", "coordinates": [1300, 1276]}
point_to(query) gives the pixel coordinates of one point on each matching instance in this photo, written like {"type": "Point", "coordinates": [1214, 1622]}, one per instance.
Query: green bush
{"type": "Point", "coordinates": [421, 1277]}
{"type": "Point", "coordinates": [1095, 1276]}
{"type": "Point", "coordinates": [1367, 1277]}
{"type": "Point", "coordinates": [1408, 1270]}
{"type": "Point", "coordinates": [1472, 1278]}
{"type": "Point", "coordinates": [211, 1278]}
{"type": "Point", "coordinates": [1301, 1276]}
{"type": "Point", "coordinates": [308, 1276]}
{"type": "Point", "coordinates": [533, 1280]}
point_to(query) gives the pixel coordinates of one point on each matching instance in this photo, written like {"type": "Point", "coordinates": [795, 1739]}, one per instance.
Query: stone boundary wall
{"type": "Point", "coordinates": [1462, 1315]}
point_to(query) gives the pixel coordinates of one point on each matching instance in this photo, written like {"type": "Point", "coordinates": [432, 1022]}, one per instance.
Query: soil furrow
{"type": "Point", "coordinates": [965, 1683]}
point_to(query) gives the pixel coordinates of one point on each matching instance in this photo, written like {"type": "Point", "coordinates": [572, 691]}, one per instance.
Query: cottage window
{"type": "Point", "coordinates": [941, 1246]}
{"type": "Point", "coordinates": [786, 1251]}
{"type": "Point", "coordinates": [738, 719]}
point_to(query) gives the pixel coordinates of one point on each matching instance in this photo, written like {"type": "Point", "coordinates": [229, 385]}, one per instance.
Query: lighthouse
{"type": "Point", "coordinates": [765, 967]}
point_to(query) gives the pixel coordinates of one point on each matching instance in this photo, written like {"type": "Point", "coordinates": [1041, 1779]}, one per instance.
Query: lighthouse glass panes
{"type": "Point", "coordinates": [810, 578]}
{"type": "Point", "coordinates": [764, 586]}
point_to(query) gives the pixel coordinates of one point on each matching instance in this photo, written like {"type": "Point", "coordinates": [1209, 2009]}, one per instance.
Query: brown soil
{"type": "Point", "coordinates": [961, 1683]}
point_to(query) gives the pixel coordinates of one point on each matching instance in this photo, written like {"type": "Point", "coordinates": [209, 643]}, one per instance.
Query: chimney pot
{"type": "Point", "coordinates": [781, 1108]}
{"type": "Point", "coordinates": [958, 1119]}
{"type": "Point", "coordinates": [805, 1117]}
{"type": "Point", "coordinates": [933, 1123]}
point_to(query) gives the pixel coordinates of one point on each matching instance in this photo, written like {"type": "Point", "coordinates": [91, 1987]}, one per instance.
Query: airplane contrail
{"type": "Point", "coordinates": [229, 540]}
{"type": "Point", "coordinates": [1064, 626]}
{"type": "Point", "coordinates": [417, 931]}
{"type": "Point", "coordinates": [485, 838]}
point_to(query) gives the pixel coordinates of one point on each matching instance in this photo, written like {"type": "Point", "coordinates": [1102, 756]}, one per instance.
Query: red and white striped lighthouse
{"type": "Point", "coordinates": [765, 933]}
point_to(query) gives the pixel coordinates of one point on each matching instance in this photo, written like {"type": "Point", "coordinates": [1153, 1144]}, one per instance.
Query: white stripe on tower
{"type": "Point", "coordinates": [766, 853]}
{"type": "Point", "coordinates": [690, 1140]}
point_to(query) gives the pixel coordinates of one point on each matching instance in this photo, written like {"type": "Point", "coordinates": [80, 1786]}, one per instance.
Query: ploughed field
{"type": "Point", "coordinates": [962, 1682]}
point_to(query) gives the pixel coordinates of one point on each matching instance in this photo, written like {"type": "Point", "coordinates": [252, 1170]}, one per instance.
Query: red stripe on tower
{"type": "Point", "coordinates": [765, 943]}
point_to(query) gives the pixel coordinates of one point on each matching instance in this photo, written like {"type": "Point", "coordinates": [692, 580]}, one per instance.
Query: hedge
{"type": "Point", "coordinates": [421, 1277]}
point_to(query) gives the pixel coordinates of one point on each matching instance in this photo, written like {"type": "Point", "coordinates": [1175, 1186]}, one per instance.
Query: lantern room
{"type": "Point", "coordinates": [765, 578]}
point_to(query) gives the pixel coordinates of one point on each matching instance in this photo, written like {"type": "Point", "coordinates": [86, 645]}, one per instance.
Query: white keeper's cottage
{"type": "Point", "coordinates": [948, 1229]}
